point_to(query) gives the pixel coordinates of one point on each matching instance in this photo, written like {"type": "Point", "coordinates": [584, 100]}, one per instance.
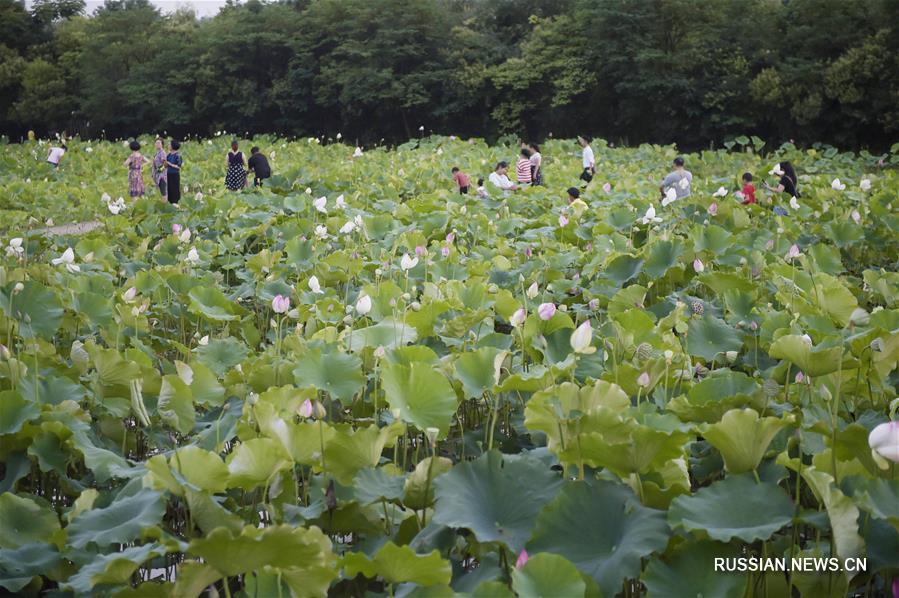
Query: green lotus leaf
{"type": "Point", "coordinates": [112, 568]}
{"type": "Point", "coordinates": [663, 256]}
{"type": "Point", "coordinates": [36, 308]}
{"type": "Point", "coordinates": [497, 497]}
{"type": "Point", "coordinates": [684, 575]}
{"type": "Point", "coordinates": [375, 484]}
{"type": "Point", "coordinates": [207, 514]}
{"type": "Point", "coordinates": [399, 564]}
{"type": "Point", "coordinates": [881, 498]}
{"type": "Point", "coordinates": [623, 268]}
{"type": "Point", "coordinates": [419, 489]}
{"type": "Point", "coordinates": [192, 578]}
{"type": "Point", "coordinates": [349, 451]}
{"type": "Point", "coordinates": [176, 404]}
{"type": "Point", "coordinates": [420, 394]}
{"type": "Point", "coordinates": [764, 508]}
{"type": "Point", "coordinates": [338, 374]}
{"type": "Point", "coordinates": [644, 450]}
{"type": "Point", "coordinates": [15, 411]}
{"type": "Point", "coordinates": [212, 304]}
{"type": "Point", "coordinates": [712, 238]}
{"type": "Point", "coordinates": [121, 522]}
{"type": "Point", "coordinates": [812, 361]}
{"type": "Point", "coordinates": [203, 469]}
{"type": "Point", "coordinates": [478, 370]}
{"type": "Point", "coordinates": [602, 529]}
{"type": "Point", "coordinates": [710, 338]}
{"type": "Point", "coordinates": [23, 521]}
{"type": "Point", "coordinates": [387, 333]}
{"type": "Point", "coordinates": [547, 575]}
{"type": "Point", "coordinates": [18, 566]}
{"type": "Point", "coordinates": [222, 354]}
{"type": "Point", "coordinates": [742, 438]}
{"type": "Point", "coordinates": [841, 512]}
{"type": "Point", "coordinates": [255, 462]}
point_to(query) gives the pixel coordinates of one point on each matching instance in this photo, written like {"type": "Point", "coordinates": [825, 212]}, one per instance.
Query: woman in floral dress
{"type": "Point", "coordinates": [135, 164]}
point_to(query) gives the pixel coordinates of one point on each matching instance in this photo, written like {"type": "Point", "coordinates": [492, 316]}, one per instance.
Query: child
{"type": "Point", "coordinates": [462, 180]}
{"type": "Point", "coordinates": [56, 154]}
{"type": "Point", "coordinates": [748, 189]}
{"type": "Point", "coordinates": [481, 190]}
{"type": "Point", "coordinates": [523, 168]}
{"type": "Point", "coordinates": [174, 162]}
{"type": "Point", "coordinates": [135, 164]}
{"type": "Point", "coordinates": [573, 194]}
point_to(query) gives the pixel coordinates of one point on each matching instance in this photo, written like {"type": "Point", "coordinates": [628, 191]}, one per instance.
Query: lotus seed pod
{"type": "Point", "coordinates": [644, 351]}
{"type": "Point", "coordinates": [698, 308]}
{"type": "Point", "coordinates": [701, 370]}
{"type": "Point", "coordinates": [771, 388]}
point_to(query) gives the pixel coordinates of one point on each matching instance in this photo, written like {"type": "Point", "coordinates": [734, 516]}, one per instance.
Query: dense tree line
{"type": "Point", "coordinates": [628, 70]}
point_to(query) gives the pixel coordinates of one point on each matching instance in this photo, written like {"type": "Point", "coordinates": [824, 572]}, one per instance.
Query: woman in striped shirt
{"type": "Point", "coordinates": [523, 168]}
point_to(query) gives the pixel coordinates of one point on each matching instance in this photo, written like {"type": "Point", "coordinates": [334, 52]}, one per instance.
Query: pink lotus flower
{"type": "Point", "coordinates": [281, 304]}
{"type": "Point", "coordinates": [563, 220]}
{"type": "Point", "coordinates": [769, 245]}
{"type": "Point", "coordinates": [800, 378]}
{"type": "Point", "coordinates": [546, 311]}
{"type": "Point", "coordinates": [884, 440]}
{"type": "Point", "coordinates": [450, 237]}
{"type": "Point", "coordinates": [713, 209]}
{"type": "Point", "coordinates": [593, 304]}
{"type": "Point", "coordinates": [698, 265]}
{"type": "Point", "coordinates": [420, 250]}
{"type": "Point", "coordinates": [607, 187]}
{"type": "Point", "coordinates": [522, 559]}
{"type": "Point", "coordinates": [305, 409]}
{"type": "Point", "coordinates": [176, 228]}
{"type": "Point", "coordinates": [643, 380]}
{"type": "Point", "coordinates": [856, 217]}
{"type": "Point", "coordinates": [793, 253]}
{"type": "Point", "coordinates": [445, 251]}
{"type": "Point", "coordinates": [527, 252]}
{"type": "Point", "coordinates": [753, 325]}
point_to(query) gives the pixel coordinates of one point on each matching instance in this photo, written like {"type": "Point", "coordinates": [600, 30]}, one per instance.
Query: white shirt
{"type": "Point", "coordinates": [56, 154]}
{"type": "Point", "coordinates": [589, 161]}
{"type": "Point", "coordinates": [500, 180]}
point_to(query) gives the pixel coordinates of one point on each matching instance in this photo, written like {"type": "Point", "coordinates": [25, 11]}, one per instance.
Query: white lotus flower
{"type": "Point", "coordinates": [308, 190]}
{"type": "Point", "coordinates": [321, 231]}
{"type": "Point", "coordinates": [347, 228]}
{"type": "Point", "coordinates": [807, 339]}
{"type": "Point", "coordinates": [339, 136]}
{"type": "Point", "coordinates": [865, 184]}
{"type": "Point", "coordinates": [358, 152]}
{"type": "Point", "coordinates": [89, 150]}
{"type": "Point", "coordinates": [340, 202]}
{"type": "Point", "coordinates": [184, 235]}
{"type": "Point", "coordinates": [199, 196]}
{"type": "Point", "coordinates": [421, 128]}
{"type": "Point", "coordinates": [272, 154]}
{"type": "Point", "coordinates": [793, 253]}
{"type": "Point", "coordinates": [319, 204]}
{"type": "Point", "coordinates": [105, 198]}
{"type": "Point", "coordinates": [643, 380]}
{"type": "Point", "coordinates": [67, 258]}
{"type": "Point", "coordinates": [193, 256]}
{"type": "Point", "coordinates": [836, 185]}
{"type": "Point", "coordinates": [15, 247]}
{"type": "Point", "coordinates": [721, 192]}
{"type": "Point", "coordinates": [794, 203]}
{"type": "Point", "coordinates": [129, 295]}
{"type": "Point", "coordinates": [650, 216]}
{"type": "Point", "coordinates": [314, 285]}
{"type": "Point", "coordinates": [670, 197]}
{"type": "Point", "coordinates": [581, 338]}
{"type": "Point", "coordinates": [357, 220]}
{"type": "Point", "coordinates": [884, 440]}
{"type": "Point", "coordinates": [363, 305]}
{"type": "Point", "coordinates": [408, 262]}
{"type": "Point", "coordinates": [776, 171]}
{"type": "Point", "coordinates": [518, 318]}
{"type": "Point", "coordinates": [203, 341]}
{"type": "Point", "coordinates": [116, 206]}
{"type": "Point", "coordinates": [532, 290]}
{"type": "Point", "coordinates": [856, 217]}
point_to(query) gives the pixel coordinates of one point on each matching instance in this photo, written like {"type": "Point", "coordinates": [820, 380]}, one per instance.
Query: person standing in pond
{"type": "Point", "coordinates": [258, 165]}
{"type": "Point", "coordinates": [236, 177]}
{"type": "Point", "coordinates": [463, 182]}
{"type": "Point", "coordinates": [55, 155]}
{"type": "Point", "coordinates": [787, 182]}
{"type": "Point", "coordinates": [135, 163]}
{"type": "Point", "coordinates": [500, 178]}
{"type": "Point", "coordinates": [174, 162]}
{"type": "Point", "coordinates": [679, 179]}
{"type": "Point", "coordinates": [159, 170]}
{"type": "Point", "coordinates": [587, 158]}
{"type": "Point", "coordinates": [536, 164]}
{"type": "Point", "coordinates": [523, 168]}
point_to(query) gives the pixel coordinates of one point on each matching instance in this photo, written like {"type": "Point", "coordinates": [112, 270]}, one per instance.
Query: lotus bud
{"type": "Point", "coordinates": [363, 305]}
{"type": "Point", "coordinates": [563, 307]}
{"type": "Point", "coordinates": [884, 440]}
{"type": "Point", "coordinates": [281, 304]}
{"type": "Point", "coordinates": [518, 318]}
{"type": "Point", "coordinates": [546, 311]}
{"type": "Point", "coordinates": [305, 410]}
{"type": "Point", "coordinates": [643, 380]}
{"type": "Point", "coordinates": [415, 306]}
{"type": "Point", "coordinates": [319, 410]}
{"type": "Point", "coordinates": [431, 434]}
{"type": "Point", "coordinates": [129, 295]}
{"type": "Point", "coordinates": [407, 262]}
{"type": "Point", "coordinates": [731, 356]}
{"type": "Point", "coordinates": [669, 356]}
{"type": "Point", "coordinates": [4, 353]}
{"type": "Point", "coordinates": [532, 291]}
{"type": "Point", "coordinates": [698, 265]}
{"type": "Point", "coordinates": [581, 338]}
{"type": "Point", "coordinates": [380, 352]}
{"type": "Point", "coordinates": [807, 339]}
{"type": "Point", "coordinates": [593, 304]}
{"type": "Point", "coordinates": [406, 296]}
{"type": "Point", "coordinates": [18, 288]}
{"type": "Point", "coordinates": [800, 378]}
{"type": "Point", "coordinates": [522, 559]}
{"type": "Point", "coordinates": [859, 317]}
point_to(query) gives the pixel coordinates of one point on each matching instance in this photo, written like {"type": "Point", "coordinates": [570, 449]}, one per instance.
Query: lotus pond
{"type": "Point", "coordinates": [398, 390]}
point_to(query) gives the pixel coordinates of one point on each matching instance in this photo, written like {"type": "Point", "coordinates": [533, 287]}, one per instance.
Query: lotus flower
{"type": "Point", "coordinates": [358, 152]}
{"type": "Point", "coordinates": [199, 196]}
{"type": "Point", "coordinates": [203, 341]}
{"type": "Point", "coordinates": [129, 295]}
{"type": "Point", "coordinates": [518, 318]}
{"type": "Point", "coordinates": [721, 192]}
{"type": "Point", "coordinates": [321, 231]}
{"type": "Point", "coordinates": [445, 251]}
{"type": "Point", "coordinates": [15, 247]}
{"type": "Point", "coordinates": [522, 559]}
{"type": "Point", "coordinates": [769, 244]}
{"type": "Point", "coordinates": [319, 204]}
{"type": "Point", "coordinates": [407, 262]}
{"type": "Point", "coordinates": [713, 209]}
{"type": "Point", "coordinates": [450, 237]}
{"type": "Point", "coordinates": [643, 380]}
{"type": "Point", "coordinates": [670, 197]}
{"type": "Point", "coordinates": [339, 136]}
{"type": "Point", "coordinates": [865, 184]}
{"type": "Point", "coordinates": [793, 253]}
{"type": "Point", "coordinates": [281, 304]}
{"type": "Point", "coordinates": [308, 190]}
{"type": "Point", "coordinates": [184, 237]}
{"type": "Point", "coordinates": [363, 305]}
{"type": "Point", "coordinates": [776, 171]}
{"type": "Point", "coordinates": [89, 150]}
{"type": "Point", "coordinates": [314, 285]}
{"type": "Point", "coordinates": [650, 216]}
{"type": "Point", "coordinates": [581, 338]}
{"type": "Point", "coordinates": [884, 440]}
{"type": "Point", "coordinates": [420, 251]}
{"type": "Point", "coordinates": [836, 185]}
{"type": "Point", "coordinates": [532, 290]}
{"type": "Point", "coordinates": [593, 304]}
{"type": "Point", "coordinates": [794, 203]}
{"type": "Point", "coordinates": [698, 266]}
{"type": "Point", "coordinates": [67, 258]}
{"type": "Point", "coordinates": [421, 128]}
{"type": "Point", "coordinates": [105, 198]}
{"type": "Point", "coordinates": [546, 311]}
{"type": "Point", "coordinates": [193, 256]}
{"type": "Point", "coordinates": [563, 220]}
{"type": "Point", "coordinates": [305, 410]}
{"type": "Point", "coordinates": [528, 252]}
{"type": "Point", "coordinates": [176, 228]}
{"type": "Point", "coordinates": [116, 206]}
{"type": "Point", "coordinates": [856, 217]}
{"type": "Point", "coordinates": [347, 228]}
{"type": "Point", "coordinates": [340, 202]}
{"type": "Point", "coordinates": [607, 187]}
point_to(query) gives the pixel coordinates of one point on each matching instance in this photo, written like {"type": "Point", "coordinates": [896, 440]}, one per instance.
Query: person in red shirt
{"type": "Point", "coordinates": [748, 189]}
{"type": "Point", "coordinates": [462, 180]}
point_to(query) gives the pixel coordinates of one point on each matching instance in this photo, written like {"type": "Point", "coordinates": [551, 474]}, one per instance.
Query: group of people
{"type": "Point", "coordinates": [676, 185]}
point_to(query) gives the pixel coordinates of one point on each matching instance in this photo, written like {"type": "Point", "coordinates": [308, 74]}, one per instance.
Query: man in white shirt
{"type": "Point", "coordinates": [55, 155]}
{"type": "Point", "coordinates": [500, 179]}
{"type": "Point", "coordinates": [679, 179]}
{"type": "Point", "coordinates": [589, 162]}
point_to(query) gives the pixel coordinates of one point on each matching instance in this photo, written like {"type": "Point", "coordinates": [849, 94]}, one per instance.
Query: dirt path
{"type": "Point", "coordinates": [75, 228]}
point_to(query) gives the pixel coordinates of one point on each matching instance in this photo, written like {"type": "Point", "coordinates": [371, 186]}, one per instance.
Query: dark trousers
{"type": "Point", "coordinates": [463, 190]}
{"type": "Point", "coordinates": [587, 175]}
{"type": "Point", "coordinates": [174, 185]}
